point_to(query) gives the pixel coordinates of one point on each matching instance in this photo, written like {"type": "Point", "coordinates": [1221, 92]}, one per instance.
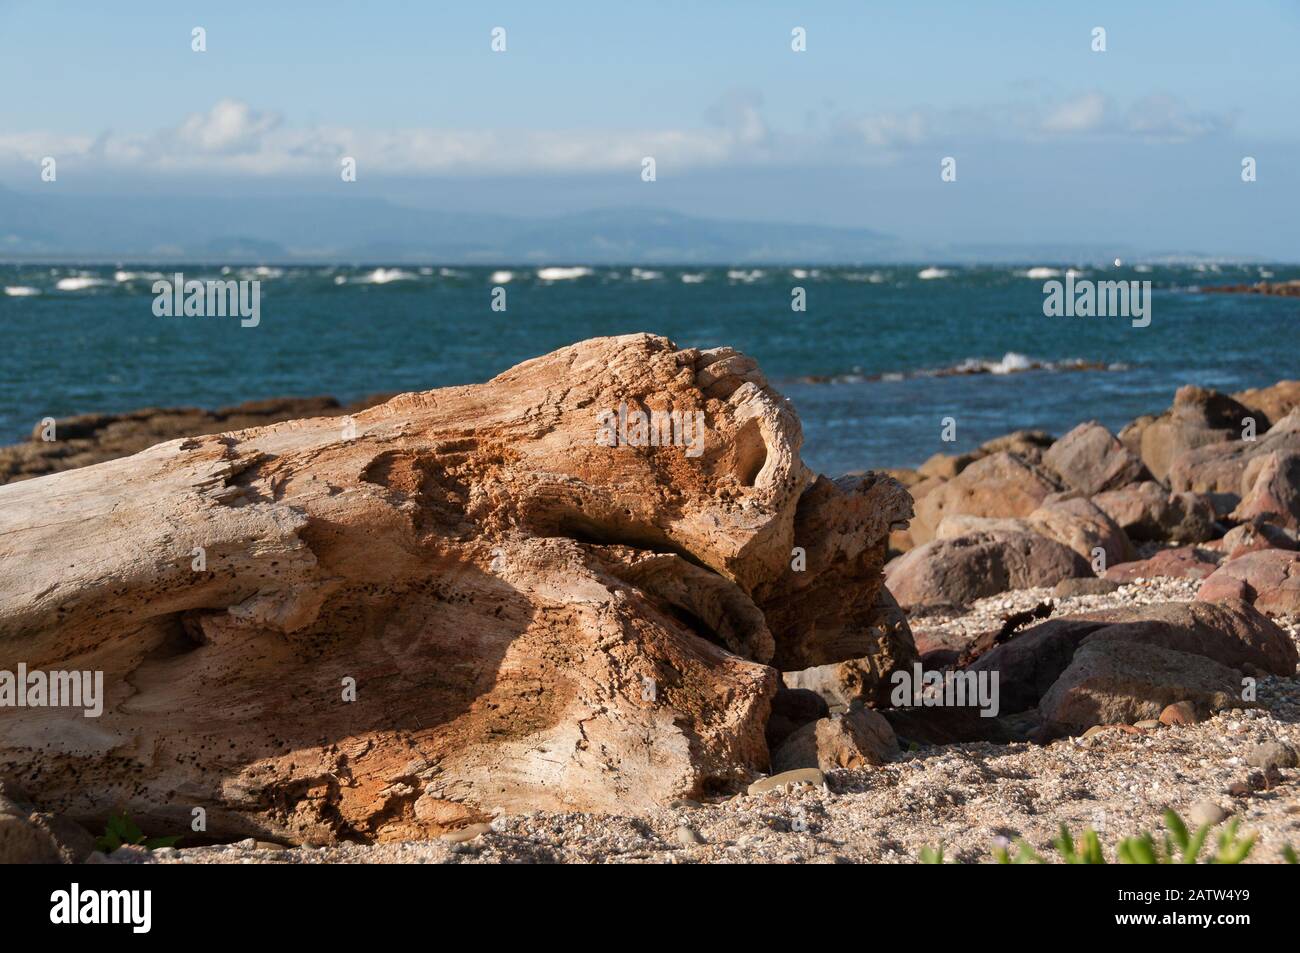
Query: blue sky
{"type": "Point", "coordinates": [1053, 141]}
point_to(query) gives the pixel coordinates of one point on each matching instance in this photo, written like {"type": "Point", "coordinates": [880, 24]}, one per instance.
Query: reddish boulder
{"type": "Point", "coordinates": [1184, 562]}
{"type": "Point", "coordinates": [958, 571]}
{"type": "Point", "coordinates": [1148, 512]}
{"type": "Point", "coordinates": [1269, 579]}
{"type": "Point", "coordinates": [999, 485]}
{"type": "Point", "coordinates": [1090, 459]}
{"type": "Point", "coordinates": [1274, 493]}
{"type": "Point", "coordinates": [1198, 418]}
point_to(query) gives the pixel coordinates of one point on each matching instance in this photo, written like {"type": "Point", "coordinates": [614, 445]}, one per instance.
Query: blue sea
{"type": "Point", "coordinates": [878, 359]}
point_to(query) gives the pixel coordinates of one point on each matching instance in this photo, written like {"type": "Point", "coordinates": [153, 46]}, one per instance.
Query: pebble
{"type": "Point", "coordinates": [688, 836]}
{"type": "Point", "coordinates": [465, 833]}
{"type": "Point", "coordinates": [1147, 724]}
{"type": "Point", "coordinates": [1179, 713]}
{"type": "Point", "coordinates": [1271, 754]}
{"type": "Point", "coordinates": [779, 782]}
{"type": "Point", "coordinates": [1206, 812]}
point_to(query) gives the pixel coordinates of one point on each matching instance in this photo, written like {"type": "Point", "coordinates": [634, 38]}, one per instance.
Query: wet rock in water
{"type": "Point", "coordinates": [853, 739]}
{"type": "Point", "coordinates": [476, 599]}
{"type": "Point", "coordinates": [1268, 579]}
{"type": "Point", "coordinates": [1090, 459]}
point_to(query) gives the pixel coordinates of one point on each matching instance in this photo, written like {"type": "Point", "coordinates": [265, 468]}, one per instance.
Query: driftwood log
{"type": "Point", "coordinates": [497, 597]}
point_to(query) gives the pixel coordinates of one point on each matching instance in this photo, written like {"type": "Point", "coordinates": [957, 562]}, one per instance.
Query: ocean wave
{"type": "Point", "coordinates": [122, 277]}
{"type": "Point", "coordinates": [380, 276]}
{"type": "Point", "coordinates": [501, 277]}
{"type": "Point", "coordinates": [562, 274]}
{"type": "Point", "coordinates": [1010, 363]}
{"type": "Point", "coordinates": [643, 274]}
{"type": "Point", "coordinates": [21, 291]}
{"type": "Point", "coordinates": [692, 279]}
{"type": "Point", "coordinates": [929, 274]}
{"type": "Point", "coordinates": [1040, 272]}
{"type": "Point", "coordinates": [747, 276]}
{"type": "Point", "coordinates": [78, 283]}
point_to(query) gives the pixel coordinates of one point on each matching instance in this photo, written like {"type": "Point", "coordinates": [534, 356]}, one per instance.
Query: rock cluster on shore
{"type": "Point", "coordinates": [464, 605]}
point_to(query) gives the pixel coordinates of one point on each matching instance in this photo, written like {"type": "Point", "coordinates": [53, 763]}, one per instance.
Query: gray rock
{"type": "Point", "coordinates": [960, 570]}
{"type": "Point", "coordinates": [1205, 812]}
{"type": "Point", "coordinates": [23, 842]}
{"type": "Point", "coordinates": [1116, 681]}
{"type": "Point", "coordinates": [1271, 754]}
{"type": "Point", "coordinates": [1084, 586]}
{"type": "Point", "coordinates": [853, 739]}
{"type": "Point", "coordinates": [688, 836]}
{"type": "Point", "coordinates": [1091, 460]}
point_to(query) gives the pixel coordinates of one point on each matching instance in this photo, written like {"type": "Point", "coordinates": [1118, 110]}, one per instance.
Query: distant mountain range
{"type": "Point", "coordinates": [48, 226]}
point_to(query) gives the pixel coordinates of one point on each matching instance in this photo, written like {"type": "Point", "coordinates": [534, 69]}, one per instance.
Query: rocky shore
{"type": "Point", "coordinates": [1289, 289]}
{"type": "Point", "coordinates": [569, 650]}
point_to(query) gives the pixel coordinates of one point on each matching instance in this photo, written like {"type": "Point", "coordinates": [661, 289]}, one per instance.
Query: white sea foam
{"type": "Point", "coordinates": [562, 274]}
{"type": "Point", "coordinates": [501, 277]}
{"type": "Point", "coordinates": [692, 279]}
{"type": "Point", "coordinates": [642, 274]}
{"type": "Point", "coordinates": [21, 291]}
{"type": "Point", "coordinates": [121, 277]}
{"type": "Point", "coordinates": [929, 274]}
{"type": "Point", "coordinates": [1040, 272]}
{"type": "Point", "coordinates": [738, 274]}
{"type": "Point", "coordinates": [78, 283]}
{"type": "Point", "coordinates": [383, 276]}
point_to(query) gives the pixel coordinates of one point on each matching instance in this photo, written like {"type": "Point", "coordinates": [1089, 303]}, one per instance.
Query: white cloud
{"type": "Point", "coordinates": [1084, 113]}
{"type": "Point", "coordinates": [229, 127]}
{"type": "Point", "coordinates": [233, 137]}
